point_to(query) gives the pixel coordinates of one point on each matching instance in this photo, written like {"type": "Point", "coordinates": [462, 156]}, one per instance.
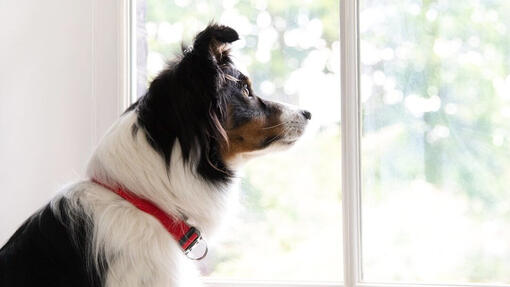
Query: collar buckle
{"type": "Point", "coordinates": [193, 244]}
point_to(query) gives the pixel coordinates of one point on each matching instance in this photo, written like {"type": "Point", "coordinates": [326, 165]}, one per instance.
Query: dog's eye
{"type": "Point", "coordinates": [246, 91]}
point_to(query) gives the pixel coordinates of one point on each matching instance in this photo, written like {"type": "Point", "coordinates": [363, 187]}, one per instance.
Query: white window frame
{"type": "Point", "coordinates": [111, 50]}
{"type": "Point", "coordinates": [351, 143]}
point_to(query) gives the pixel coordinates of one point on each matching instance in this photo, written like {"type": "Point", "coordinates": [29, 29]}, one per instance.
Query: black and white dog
{"type": "Point", "coordinates": [159, 177]}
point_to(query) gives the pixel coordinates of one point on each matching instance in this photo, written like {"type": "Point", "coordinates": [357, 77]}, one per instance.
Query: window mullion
{"type": "Point", "coordinates": [351, 171]}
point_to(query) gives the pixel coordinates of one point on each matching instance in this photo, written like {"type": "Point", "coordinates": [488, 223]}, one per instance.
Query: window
{"type": "Point", "coordinates": [435, 96]}
{"type": "Point", "coordinates": [291, 201]}
{"type": "Point", "coordinates": [425, 159]}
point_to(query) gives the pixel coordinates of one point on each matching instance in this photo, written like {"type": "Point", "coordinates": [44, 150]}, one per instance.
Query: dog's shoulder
{"type": "Point", "coordinates": [49, 249]}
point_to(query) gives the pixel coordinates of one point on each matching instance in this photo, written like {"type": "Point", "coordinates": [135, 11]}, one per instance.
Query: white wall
{"type": "Point", "coordinates": [60, 85]}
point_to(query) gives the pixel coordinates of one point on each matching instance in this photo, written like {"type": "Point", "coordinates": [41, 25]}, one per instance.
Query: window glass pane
{"type": "Point", "coordinates": [435, 89]}
{"type": "Point", "coordinates": [289, 227]}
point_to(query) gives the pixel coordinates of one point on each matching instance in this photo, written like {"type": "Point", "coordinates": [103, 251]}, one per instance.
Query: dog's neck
{"type": "Point", "coordinates": [125, 158]}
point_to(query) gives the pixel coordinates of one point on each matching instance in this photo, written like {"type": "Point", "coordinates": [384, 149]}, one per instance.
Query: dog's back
{"type": "Point", "coordinates": [47, 251]}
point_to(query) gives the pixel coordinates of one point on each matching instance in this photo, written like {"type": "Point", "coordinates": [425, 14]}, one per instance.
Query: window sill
{"type": "Point", "coordinates": [256, 283]}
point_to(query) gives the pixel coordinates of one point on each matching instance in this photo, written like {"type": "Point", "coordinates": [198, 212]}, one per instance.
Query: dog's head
{"type": "Point", "coordinates": [208, 106]}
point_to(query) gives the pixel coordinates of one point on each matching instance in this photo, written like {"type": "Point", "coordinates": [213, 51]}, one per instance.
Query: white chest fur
{"type": "Point", "coordinates": [138, 250]}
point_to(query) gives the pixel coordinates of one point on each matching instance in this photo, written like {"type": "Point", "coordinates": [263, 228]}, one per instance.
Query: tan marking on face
{"type": "Point", "coordinates": [231, 78]}
{"type": "Point", "coordinates": [251, 136]}
{"type": "Point", "coordinates": [248, 82]}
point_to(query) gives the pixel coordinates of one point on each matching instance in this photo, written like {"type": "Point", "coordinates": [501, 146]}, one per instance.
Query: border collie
{"type": "Point", "coordinates": [159, 180]}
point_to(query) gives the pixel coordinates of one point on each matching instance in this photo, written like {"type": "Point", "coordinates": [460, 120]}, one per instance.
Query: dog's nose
{"type": "Point", "coordinates": [307, 114]}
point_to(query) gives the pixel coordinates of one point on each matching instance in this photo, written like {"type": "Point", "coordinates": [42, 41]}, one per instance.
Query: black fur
{"type": "Point", "coordinates": [185, 102]}
{"type": "Point", "coordinates": [50, 250]}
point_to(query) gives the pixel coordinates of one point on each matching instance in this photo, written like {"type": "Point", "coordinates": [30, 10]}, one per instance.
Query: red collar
{"type": "Point", "coordinates": [187, 236]}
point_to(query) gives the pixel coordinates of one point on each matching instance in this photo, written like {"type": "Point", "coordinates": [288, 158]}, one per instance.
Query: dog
{"type": "Point", "coordinates": [158, 182]}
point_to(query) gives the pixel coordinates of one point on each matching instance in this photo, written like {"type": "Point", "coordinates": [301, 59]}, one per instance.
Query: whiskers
{"type": "Point", "coordinates": [275, 126]}
{"type": "Point", "coordinates": [288, 131]}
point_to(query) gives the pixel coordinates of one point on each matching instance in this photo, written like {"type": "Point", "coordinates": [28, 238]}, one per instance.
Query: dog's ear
{"type": "Point", "coordinates": [206, 61]}
{"type": "Point", "coordinates": [214, 42]}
